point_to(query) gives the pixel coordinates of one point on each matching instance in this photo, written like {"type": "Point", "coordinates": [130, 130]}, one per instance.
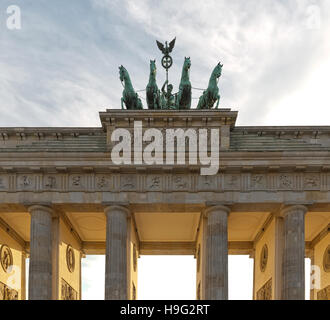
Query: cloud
{"type": "Point", "coordinates": [62, 67]}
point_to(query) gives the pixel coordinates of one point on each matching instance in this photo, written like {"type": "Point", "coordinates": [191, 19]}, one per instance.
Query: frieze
{"type": "Point", "coordinates": [324, 294]}
{"type": "Point", "coordinates": [258, 182]}
{"type": "Point", "coordinates": [154, 183]}
{"type": "Point", "coordinates": [67, 292]}
{"type": "Point", "coordinates": [207, 183]}
{"type": "Point", "coordinates": [77, 182]}
{"type": "Point", "coordinates": [50, 182]}
{"type": "Point", "coordinates": [103, 182]}
{"type": "Point", "coordinates": [26, 182]}
{"type": "Point", "coordinates": [312, 181]}
{"type": "Point", "coordinates": [4, 183]}
{"type": "Point", "coordinates": [326, 259]}
{"type": "Point", "coordinates": [7, 293]}
{"type": "Point", "coordinates": [285, 181]}
{"type": "Point", "coordinates": [164, 182]}
{"type": "Point", "coordinates": [180, 182]}
{"type": "Point", "coordinates": [128, 182]}
{"type": "Point", "coordinates": [265, 292]}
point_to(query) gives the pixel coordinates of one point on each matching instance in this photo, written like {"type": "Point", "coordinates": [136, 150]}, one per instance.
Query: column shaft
{"type": "Point", "coordinates": [293, 269]}
{"type": "Point", "coordinates": [40, 269]}
{"type": "Point", "coordinates": [116, 253]}
{"type": "Point", "coordinates": [216, 277]}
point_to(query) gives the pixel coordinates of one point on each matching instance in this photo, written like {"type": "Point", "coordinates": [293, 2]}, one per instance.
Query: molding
{"type": "Point", "coordinates": [325, 231]}
{"type": "Point", "coordinates": [164, 181]}
{"type": "Point", "coordinates": [41, 207]}
{"type": "Point", "coordinates": [240, 247]}
{"type": "Point", "coordinates": [70, 226]}
{"type": "Point", "coordinates": [136, 231]}
{"type": "Point", "coordinates": [264, 227]}
{"type": "Point", "coordinates": [286, 209]}
{"type": "Point", "coordinates": [218, 208]}
{"type": "Point", "coordinates": [13, 234]}
{"type": "Point", "coordinates": [116, 207]}
{"type": "Point", "coordinates": [169, 248]}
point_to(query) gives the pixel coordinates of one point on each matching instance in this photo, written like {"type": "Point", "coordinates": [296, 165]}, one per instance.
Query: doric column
{"type": "Point", "coordinates": [293, 269]}
{"type": "Point", "coordinates": [216, 255]}
{"type": "Point", "coordinates": [40, 269]}
{"type": "Point", "coordinates": [116, 253]}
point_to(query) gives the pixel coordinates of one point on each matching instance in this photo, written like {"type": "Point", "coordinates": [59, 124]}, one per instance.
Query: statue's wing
{"type": "Point", "coordinates": [171, 45]}
{"type": "Point", "coordinates": [160, 46]}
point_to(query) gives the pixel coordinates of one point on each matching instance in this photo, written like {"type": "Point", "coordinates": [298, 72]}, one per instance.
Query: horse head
{"type": "Point", "coordinates": [153, 67]}
{"type": "Point", "coordinates": [122, 73]}
{"type": "Point", "coordinates": [187, 63]}
{"type": "Point", "coordinates": [217, 70]}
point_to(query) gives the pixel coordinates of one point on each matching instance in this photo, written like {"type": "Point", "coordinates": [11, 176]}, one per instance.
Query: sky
{"type": "Point", "coordinates": [61, 67]}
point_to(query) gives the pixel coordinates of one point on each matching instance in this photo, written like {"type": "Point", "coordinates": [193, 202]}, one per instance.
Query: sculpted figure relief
{"type": "Point", "coordinates": [6, 257]}
{"type": "Point", "coordinates": [167, 98]}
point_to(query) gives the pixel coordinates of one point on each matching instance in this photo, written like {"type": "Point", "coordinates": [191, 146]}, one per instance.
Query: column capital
{"type": "Point", "coordinates": [215, 207]}
{"type": "Point", "coordinates": [40, 207]}
{"type": "Point", "coordinates": [286, 209]}
{"type": "Point", "coordinates": [116, 207]}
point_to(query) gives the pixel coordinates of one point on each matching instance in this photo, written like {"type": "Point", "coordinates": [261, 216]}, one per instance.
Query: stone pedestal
{"type": "Point", "coordinates": [116, 284]}
{"type": "Point", "coordinates": [293, 268]}
{"type": "Point", "coordinates": [40, 269]}
{"type": "Point", "coordinates": [216, 270]}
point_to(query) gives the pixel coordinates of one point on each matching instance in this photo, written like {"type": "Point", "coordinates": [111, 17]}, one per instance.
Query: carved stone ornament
{"type": "Point", "coordinates": [326, 260]}
{"type": "Point", "coordinates": [6, 257]}
{"type": "Point", "coordinates": [7, 293]}
{"type": "Point", "coordinates": [324, 294]}
{"type": "Point", "coordinates": [263, 258]}
{"type": "Point", "coordinates": [70, 258]}
{"type": "Point", "coordinates": [265, 292]}
{"type": "Point", "coordinates": [67, 292]}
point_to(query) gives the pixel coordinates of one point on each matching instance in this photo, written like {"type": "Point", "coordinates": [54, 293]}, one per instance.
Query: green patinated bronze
{"type": "Point", "coordinates": [183, 100]}
{"type": "Point", "coordinates": [130, 98]}
{"type": "Point", "coordinates": [152, 91]}
{"type": "Point", "coordinates": [167, 98]}
{"type": "Point", "coordinates": [211, 94]}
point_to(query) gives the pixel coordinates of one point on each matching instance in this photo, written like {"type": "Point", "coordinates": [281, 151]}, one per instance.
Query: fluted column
{"type": "Point", "coordinates": [116, 253]}
{"type": "Point", "coordinates": [40, 269]}
{"type": "Point", "coordinates": [293, 269]}
{"type": "Point", "coordinates": [216, 255]}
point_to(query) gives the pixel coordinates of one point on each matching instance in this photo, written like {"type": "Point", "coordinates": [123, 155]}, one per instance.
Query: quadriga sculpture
{"type": "Point", "coordinates": [130, 98]}
{"type": "Point", "coordinates": [152, 91]}
{"type": "Point", "coordinates": [211, 94]}
{"type": "Point", "coordinates": [183, 100]}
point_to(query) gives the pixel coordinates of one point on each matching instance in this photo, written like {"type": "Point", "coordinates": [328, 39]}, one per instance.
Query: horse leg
{"type": "Point", "coordinates": [178, 100]}
{"type": "Point", "coordinates": [155, 100]}
{"type": "Point", "coordinates": [218, 98]}
{"type": "Point", "coordinates": [122, 103]}
{"type": "Point", "coordinates": [189, 103]}
{"type": "Point", "coordinates": [201, 102]}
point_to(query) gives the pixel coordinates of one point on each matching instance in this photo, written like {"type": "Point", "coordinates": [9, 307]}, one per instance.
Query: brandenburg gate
{"type": "Point", "coordinates": [62, 197]}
